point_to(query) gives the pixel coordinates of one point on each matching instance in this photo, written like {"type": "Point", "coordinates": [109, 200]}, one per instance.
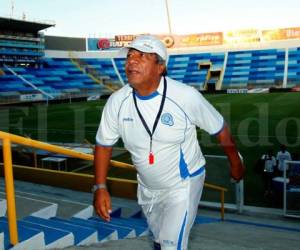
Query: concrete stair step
{"type": "Point", "coordinates": [48, 211]}
{"type": "Point", "coordinates": [87, 214]}
{"type": "Point", "coordinates": [123, 232]}
{"type": "Point", "coordinates": [82, 235]}
{"type": "Point", "coordinates": [137, 221]}
{"type": "Point", "coordinates": [1, 240]}
{"type": "Point", "coordinates": [3, 208]}
{"type": "Point", "coordinates": [140, 228]}
{"type": "Point", "coordinates": [104, 233]}
{"type": "Point", "coordinates": [54, 238]}
{"type": "Point", "coordinates": [29, 238]}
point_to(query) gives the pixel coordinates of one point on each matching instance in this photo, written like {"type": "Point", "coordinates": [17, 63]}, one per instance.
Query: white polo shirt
{"type": "Point", "coordinates": [282, 157]}
{"type": "Point", "coordinates": [177, 154]}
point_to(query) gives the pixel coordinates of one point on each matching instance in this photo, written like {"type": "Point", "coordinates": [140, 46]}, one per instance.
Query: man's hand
{"type": "Point", "coordinates": [237, 170]}
{"type": "Point", "coordinates": [102, 203]}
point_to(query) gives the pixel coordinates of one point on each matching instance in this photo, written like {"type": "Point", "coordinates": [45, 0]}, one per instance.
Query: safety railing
{"type": "Point", "coordinates": [8, 139]}
{"type": "Point", "coordinates": [222, 196]}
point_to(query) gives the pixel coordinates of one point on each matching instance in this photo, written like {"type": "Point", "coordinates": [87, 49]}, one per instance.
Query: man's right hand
{"type": "Point", "coordinates": [102, 203]}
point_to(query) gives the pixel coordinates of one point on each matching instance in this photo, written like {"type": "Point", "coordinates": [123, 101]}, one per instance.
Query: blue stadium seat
{"type": "Point", "coordinates": [293, 77]}
{"type": "Point", "coordinates": [254, 68]}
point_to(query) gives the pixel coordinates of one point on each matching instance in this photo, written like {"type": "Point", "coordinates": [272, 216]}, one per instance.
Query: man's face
{"type": "Point", "coordinates": [142, 68]}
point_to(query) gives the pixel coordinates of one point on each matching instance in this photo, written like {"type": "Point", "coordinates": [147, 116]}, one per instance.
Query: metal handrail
{"type": "Point", "coordinates": [8, 139]}
{"type": "Point", "coordinates": [222, 196]}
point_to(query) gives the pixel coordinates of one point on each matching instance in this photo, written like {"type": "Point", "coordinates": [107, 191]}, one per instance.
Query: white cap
{"type": "Point", "coordinates": [147, 44]}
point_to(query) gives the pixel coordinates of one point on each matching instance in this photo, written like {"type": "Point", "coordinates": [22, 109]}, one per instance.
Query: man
{"type": "Point", "coordinates": [269, 167]}
{"type": "Point", "coordinates": [282, 156]}
{"type": "Point", "coordinates": [156, 117]}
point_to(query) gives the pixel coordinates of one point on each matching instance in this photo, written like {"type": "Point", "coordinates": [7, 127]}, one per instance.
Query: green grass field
{"type": "Point", "coordinates": [257, 122]}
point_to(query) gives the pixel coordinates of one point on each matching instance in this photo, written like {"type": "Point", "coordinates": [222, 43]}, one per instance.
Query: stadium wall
{"type": "Point", "coordinates": [80, 54]}
{"type": "Point", "coordinates": [65, 43]}
{"type": "Point", "coordinates": [65, 51]}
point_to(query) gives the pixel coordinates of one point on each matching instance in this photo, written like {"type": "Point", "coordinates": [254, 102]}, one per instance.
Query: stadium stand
{"type": "Point", "coordinates": [255, 68]}
{"type": "Point", "coordinates": [242, 69]}
{"type": "Point", "coordinates": [185, 67]}
{"type": "Point", "coordinates": [27, 68]}
{"type": "Point", "coordinates": [56, 77]}
{"type": "Point", "coordinates": [26, 74]}
{"type": "Point", "coordinates": [62, 74]}
{"type": "Point", "coordinates": [104, 67]}
{"type": "Point", "coordinates": [21, 43]}
{"type": "Point", "coordinates": [120, 64]}
{"type": "Point", "coordinates": [293, 75]}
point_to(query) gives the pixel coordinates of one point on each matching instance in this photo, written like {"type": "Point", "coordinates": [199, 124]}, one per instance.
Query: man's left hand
{"type": "Point", "coordinates": [237, 170]}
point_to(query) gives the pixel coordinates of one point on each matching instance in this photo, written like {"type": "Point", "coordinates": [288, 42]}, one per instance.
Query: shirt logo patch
{"type": "Point", "coordinates": [167, 119]}
{"type": "Point", "coordinates": [127, 119]}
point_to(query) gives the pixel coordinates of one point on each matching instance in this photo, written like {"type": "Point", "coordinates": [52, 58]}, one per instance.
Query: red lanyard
{"type": "Point", "coordinates": [151, 155]}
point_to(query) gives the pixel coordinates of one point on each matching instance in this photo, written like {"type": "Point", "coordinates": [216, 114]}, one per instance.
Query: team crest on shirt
{"type": "Point", "coordinates": [167, 119]}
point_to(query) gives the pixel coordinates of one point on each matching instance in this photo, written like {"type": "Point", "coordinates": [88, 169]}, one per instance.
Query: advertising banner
{"type": "Point", "coordinates": [281, 34]}
{"type": "Point", "coordinates": [241, 36]}
{"type": "Point", "coordinates": [171, 41]}
{"type": "Point", "coordinates": [95, 44]}
{"type": "Point", "coordinates": [31, 97]}
{"type": "Point", "coordinates": [200, 39]}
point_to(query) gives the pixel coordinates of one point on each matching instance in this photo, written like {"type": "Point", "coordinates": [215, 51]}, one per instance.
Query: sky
{"type": "Point", "coordinates": [107, 18]}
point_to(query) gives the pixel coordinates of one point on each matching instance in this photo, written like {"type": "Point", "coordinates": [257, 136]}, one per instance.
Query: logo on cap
{"type": "Point", "coordinates": [148, 45]}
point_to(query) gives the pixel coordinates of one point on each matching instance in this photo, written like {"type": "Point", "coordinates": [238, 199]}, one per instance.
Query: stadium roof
{"type": "Point", "coordinates": [22, 25]}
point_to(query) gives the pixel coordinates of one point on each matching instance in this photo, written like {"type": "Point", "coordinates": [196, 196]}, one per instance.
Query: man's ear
{"type": "Point", "coordinates": [162, 69]}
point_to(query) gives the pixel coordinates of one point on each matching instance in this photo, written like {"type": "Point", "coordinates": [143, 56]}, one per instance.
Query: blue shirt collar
{"type": "Point", "coordinates": [153, 94]}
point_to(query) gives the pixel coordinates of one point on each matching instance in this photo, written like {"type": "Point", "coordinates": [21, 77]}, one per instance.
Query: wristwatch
{"type": "Point", "coordinates": [98, 186]}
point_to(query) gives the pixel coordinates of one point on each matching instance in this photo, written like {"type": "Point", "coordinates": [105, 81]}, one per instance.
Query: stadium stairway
{"type": "Point", "coordinates": [43, 229]}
